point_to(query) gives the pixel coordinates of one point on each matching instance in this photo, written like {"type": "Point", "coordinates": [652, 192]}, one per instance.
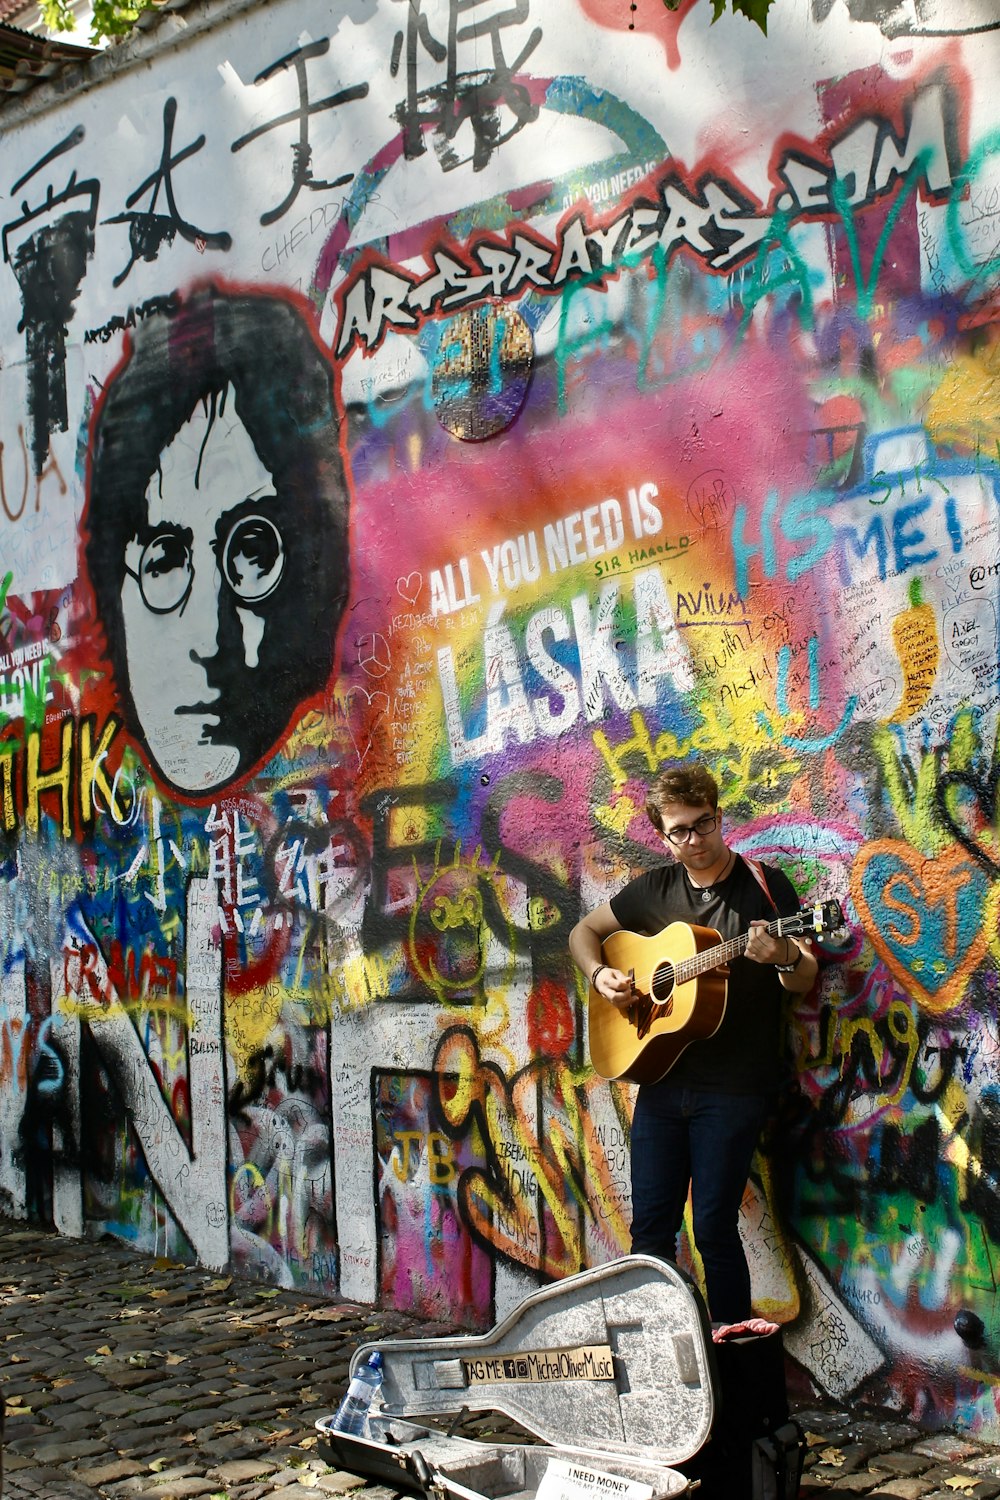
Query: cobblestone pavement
{"type": "Point", "coordinates": [128, 1376]}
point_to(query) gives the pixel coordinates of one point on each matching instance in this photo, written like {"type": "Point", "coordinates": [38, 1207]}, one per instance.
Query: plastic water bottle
{"type": "Point", "coordinates": [352, 1413]}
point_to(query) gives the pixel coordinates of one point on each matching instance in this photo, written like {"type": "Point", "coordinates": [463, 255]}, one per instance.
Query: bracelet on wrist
{"type": "Point", "coordinates": [790, 968]}
{"type": "Point", "coordinates": [593, 977]}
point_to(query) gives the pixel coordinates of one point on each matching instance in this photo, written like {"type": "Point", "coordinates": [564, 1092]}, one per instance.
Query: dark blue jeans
{"type": "Point", "coordinates": [683, 1137]}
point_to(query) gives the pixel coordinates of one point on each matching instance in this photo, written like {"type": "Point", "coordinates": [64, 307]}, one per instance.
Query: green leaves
{"type": "Point", "coordinates": [112, 18]}
{"type": "Point", "coordinates": [117, 17]}
{"type": "Point", "coordinates": [754, 10]}
{"type": "Point", "coordinates": [57, 15]}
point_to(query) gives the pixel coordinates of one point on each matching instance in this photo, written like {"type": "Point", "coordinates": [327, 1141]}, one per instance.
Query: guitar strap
{"type": "Point", "coordinates": [757, 871]}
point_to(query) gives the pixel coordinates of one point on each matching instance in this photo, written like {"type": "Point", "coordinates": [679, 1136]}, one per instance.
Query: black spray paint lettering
{"type": "Point", "coordinates": [47, 247]}
{"type": "Point", "coordinates": [302, 173]}
{"type": "Point", "coordinates": [262, 1072]}
{"type": "Point", "coordinates": [475, 97]}
{"type": "Point", "coordinates": [119, 322]}
{"type": "Point", "coordinates": [148, 230]}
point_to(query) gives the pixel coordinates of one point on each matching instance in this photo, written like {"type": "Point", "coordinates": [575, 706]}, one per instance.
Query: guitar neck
{"type": "Point", "coordinates": [711, 958]}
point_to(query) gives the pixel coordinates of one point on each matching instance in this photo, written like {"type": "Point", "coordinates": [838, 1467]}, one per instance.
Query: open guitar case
{"type": "Point", "coordinates": [613, 1370]}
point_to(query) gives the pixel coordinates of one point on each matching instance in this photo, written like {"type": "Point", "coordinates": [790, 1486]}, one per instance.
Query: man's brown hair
{"type": "Point", "coordinates": [689, 784]}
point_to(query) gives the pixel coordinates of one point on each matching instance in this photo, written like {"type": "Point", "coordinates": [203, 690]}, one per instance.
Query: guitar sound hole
{"type": "Point", "coordinates": [661, 988]}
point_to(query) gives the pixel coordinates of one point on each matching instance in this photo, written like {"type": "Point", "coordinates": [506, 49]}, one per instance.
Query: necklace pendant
{"type": "Point", "coordinates": [706, 895]}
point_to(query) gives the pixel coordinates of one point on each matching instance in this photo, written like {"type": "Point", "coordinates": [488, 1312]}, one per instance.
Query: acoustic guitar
{"type": "Point", "coordinates": [680, 980]}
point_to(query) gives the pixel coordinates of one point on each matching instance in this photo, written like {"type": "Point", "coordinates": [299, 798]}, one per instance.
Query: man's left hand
{"type": "Point", "coordinates": [762, 948]}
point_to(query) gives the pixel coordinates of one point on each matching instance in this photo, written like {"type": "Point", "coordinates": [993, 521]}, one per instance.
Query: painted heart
{"type": "Point", "coordinates": [925, 916]}
{"type": "Point", "coordinates": [363, 734]}
{"type": "Point", "coordinates": [376, 699]}
{"type": "Point", "coordinates": [984, 798]}
{"type": "Point", "coordinates": [410, 586]}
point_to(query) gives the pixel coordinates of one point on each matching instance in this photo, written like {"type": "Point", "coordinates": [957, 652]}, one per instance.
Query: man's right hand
{"type": "Point", "coordinates": [618, 988]}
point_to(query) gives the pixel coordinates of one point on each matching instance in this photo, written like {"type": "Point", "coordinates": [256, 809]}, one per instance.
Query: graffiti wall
{"type": "Point", "coordinates": [418, 424]}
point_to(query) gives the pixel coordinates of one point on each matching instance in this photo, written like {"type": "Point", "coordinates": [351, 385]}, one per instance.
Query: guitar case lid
{"type": "Point", "coordinates": [613, 1361]}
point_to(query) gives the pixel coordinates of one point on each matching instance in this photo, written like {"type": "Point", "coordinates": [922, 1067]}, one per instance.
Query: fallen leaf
{"type": "Point", "coordinates": [158, 1292]}
{"type": "Point", "coordinates": [220, 1286]}
{"type": "Point", "coordinates": [126, 1292]}
{"type": "Point", "coordinates": [961, 1481]}
{"type": "Point", "coordinates": [158, 1464]}
{"type": "Point", "coordinates": [15, 1400]}
{"type": "Point", "coordinates": [161, 1263]}
{"type": "Point", "coordinates": [19, 1359]}
{"type": "Point", "coordinates": [832, 1456]}
{"type": "Point", "coordinates": [307, 1442]}
{"type": "Point", "coordinates": [279, 1436]}
{"type": "Point", "coordinates": [105, 1350]}
{"type": "Point", "coordinates": [60, 1381]}
{"type": "Point", "coordinates": [176, 1359]}
{"type": "Point", "coordinates": [271, 1291]}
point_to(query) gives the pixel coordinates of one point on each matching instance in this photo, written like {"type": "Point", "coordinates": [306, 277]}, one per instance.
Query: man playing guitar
{"type": "Point", "coordinates": [698, 1125]}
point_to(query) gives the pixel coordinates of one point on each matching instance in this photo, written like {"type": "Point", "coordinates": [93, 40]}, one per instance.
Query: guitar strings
{"type": "Point", "coordinates": [664, 975]}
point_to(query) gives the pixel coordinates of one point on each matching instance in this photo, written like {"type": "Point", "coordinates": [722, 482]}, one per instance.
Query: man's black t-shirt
{"type": "Point", "coordinates": [744, 1055]}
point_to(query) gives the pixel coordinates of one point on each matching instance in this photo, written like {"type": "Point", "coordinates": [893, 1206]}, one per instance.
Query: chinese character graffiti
{"type": "Point", "coordinates": [302, 173]}
{"type": "Point", "coordinates": [489, 100]}
{"type": "Point", "coordinates": [47, 247]}
{"type": "Point", "coordinates": [148, 230]}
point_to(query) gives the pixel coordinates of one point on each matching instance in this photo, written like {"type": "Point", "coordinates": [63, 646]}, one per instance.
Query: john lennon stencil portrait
{"type": "Point", "coordinates": [217, 532]}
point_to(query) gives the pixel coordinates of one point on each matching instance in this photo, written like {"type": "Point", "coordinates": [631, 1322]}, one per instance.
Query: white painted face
{"type": "Point", "coordinates": [211, 531]}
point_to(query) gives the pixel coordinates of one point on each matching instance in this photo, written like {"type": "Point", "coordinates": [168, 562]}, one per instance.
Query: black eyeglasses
{"type": "Point", "coordinates": [251, 562]}
{"type": "Point", "coordinates": [702, 828]}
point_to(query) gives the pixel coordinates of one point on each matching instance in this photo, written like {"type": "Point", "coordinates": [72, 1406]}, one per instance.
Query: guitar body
{"type": "Point", "coordinates": [644, 1042]}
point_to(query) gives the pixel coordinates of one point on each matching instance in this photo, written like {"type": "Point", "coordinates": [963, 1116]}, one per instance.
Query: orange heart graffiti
{"type": "Point", "coordinates": [927, 917]}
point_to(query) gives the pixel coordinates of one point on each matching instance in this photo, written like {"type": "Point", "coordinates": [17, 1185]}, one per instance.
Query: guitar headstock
{"type": "Point", "coordinates": [825, 916]}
